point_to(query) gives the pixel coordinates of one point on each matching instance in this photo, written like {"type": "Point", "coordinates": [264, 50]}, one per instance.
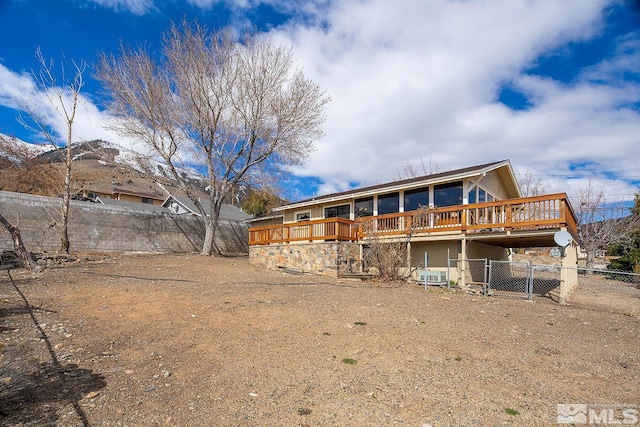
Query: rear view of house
{"type": "Point", "coordinates": [474, 212]}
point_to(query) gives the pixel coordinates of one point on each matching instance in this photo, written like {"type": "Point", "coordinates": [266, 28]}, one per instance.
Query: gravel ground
{"type": "Point", "coordinates": [201, 341]}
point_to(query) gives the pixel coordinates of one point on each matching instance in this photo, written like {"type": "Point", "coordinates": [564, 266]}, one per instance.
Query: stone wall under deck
{"type": "Point", "coordinates": [323, 258]}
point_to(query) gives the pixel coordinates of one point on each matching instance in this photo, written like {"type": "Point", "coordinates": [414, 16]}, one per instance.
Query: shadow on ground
{"type": "Point", "coordinates": [36, 392]}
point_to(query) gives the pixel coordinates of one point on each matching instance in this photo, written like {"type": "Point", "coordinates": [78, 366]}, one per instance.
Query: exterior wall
{"type": "Point", "coordinates": [317, 211]}
{"type": "Point", "coordinates": [477, 250]}
{"type": "Point", "coordinates": [437, 252]}
{"type": "Point", "coordinates": [262, 222]}
{"type": "Point", "coordinates": [137, 199]}
{"type": "Point", "coordinates": [569, 275]}
{"type": "Point", "coordinates": [492, 183]}
{"type": "Point", "coordinates": [94, 227]}
{"type": "Point", "coordinates": [318, 258]}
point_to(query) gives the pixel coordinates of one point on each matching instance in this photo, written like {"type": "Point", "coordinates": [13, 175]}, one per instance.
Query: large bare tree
{"type": "Point", "coordinates": [62, 90]}
{"type": "Point", "coordinates": [602, 223]}
{"type": "Point", "coordinates": [231, 107]}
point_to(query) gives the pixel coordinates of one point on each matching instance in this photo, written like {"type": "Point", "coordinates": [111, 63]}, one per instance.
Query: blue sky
{"type": "Point", "coordinates": [554, 86]}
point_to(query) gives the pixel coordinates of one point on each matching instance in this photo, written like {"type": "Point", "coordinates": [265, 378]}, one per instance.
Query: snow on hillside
{"type": "Point", "coordinates": [20, 145]}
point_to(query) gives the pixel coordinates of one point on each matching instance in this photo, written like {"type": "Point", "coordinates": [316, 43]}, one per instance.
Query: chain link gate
{"type": "Point", "coordinates": [546, 280]}
{"type": "Point", "coordinates": [474, 271]}
{"type": "Point", "coordinates": [510, 278]}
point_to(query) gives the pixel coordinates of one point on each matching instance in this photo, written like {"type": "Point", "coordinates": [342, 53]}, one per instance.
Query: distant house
{"type": "Point", "coordinates": [474, 212]}
{"type": "Point", "coordinates": [123, 194]}
{"type": "Point", "coordinates": [185, 206]}
{"type": "Point", "coordinates": [137, 206]}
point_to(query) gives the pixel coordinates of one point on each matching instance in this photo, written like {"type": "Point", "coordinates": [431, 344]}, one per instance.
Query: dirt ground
{"type": "Point", "coordinates": [200, 341]}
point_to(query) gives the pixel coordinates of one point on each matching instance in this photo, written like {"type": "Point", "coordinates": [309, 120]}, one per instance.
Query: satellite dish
{"type": "Point", "coordinates": [562, 238]}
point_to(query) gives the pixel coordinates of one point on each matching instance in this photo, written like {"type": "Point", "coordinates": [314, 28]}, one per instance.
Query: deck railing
{"type": "Point", "coordinates": [322, 229]}
{"type": "Point", "coordinates": [529, 213]}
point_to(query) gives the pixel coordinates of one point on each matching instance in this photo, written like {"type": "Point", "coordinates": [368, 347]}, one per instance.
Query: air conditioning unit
{"type": "Point", "coordinates": [433, 276]}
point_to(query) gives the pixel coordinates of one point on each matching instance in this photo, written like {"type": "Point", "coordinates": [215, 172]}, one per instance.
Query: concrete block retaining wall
{"type": "Point", "coordinates": [319, 258]}
{"type": "Point", "coordinates": [94, 227]}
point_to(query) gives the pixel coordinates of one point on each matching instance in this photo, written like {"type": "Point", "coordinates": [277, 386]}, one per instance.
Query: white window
{"type": "Point", "coordinates": [303, 216]}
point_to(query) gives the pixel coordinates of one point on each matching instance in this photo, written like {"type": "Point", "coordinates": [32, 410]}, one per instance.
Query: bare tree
{"type": "Point", "coordinates": [409, 170]}
{"type": "Point", "coordinates": [389, 256]}
{"type": "Point", "coordinates": [11, 155]}
{"type": "Point", "coordinates": [63, 95]}
{"type": "Point", "coordinates": [230, 107]}
{"type": "Point", "coordinates": [531, 185]}
{"type": "Point", "coordinates": [18, 245]}
{"type": "Point", "coordinates": [602, 223]}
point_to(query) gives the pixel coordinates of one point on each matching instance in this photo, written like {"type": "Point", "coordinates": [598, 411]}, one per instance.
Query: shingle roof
{"type": "Point", "coordinates": [132, 205]}
{"type": "Point", "coordinates": [227, 212]}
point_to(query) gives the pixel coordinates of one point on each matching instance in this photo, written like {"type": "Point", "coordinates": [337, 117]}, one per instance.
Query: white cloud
{"type": "Point", "coordinates": [420, 79]}
{"type": "Point", "coordinates": [19, 92]}
{"type": "Point", "coordinates": [137, 7]}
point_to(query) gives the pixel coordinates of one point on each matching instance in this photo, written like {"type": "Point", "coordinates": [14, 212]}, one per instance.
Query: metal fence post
{"type": "Point", "coordinates": [530, 283]}
{"type": "Point", "coordinates": [426, 275]}
{"type": "Point", "coordinates": [485, 283]}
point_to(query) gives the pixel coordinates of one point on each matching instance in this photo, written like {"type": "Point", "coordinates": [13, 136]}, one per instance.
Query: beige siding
{"type": "Point", "coordinates": [437, 252]}
{"type": "Point", "coordinates": [317, 211]}
{"type": "Point", "coordinates": [477, 250]}
{"type": "Point", "coordinates": [492, 183]}
{"type": "Point", "coordinates": [265, 222]}
{"type": "Point", "coordinates": [289, 216]}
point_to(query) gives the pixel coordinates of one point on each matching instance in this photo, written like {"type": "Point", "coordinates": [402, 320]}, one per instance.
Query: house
{"type": "Point", "coordinates": [185, 206]}
{"type": "Point", "coordinates": [470, 213]}
{"type": "Point", "coordinates": [122, 194]}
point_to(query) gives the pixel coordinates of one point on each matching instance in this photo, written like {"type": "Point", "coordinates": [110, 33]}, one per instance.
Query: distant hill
{"type": "Point", "coordinates": [99, 166]}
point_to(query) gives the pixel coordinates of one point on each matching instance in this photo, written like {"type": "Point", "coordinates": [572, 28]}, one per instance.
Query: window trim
{"type": "Point", "coordinates": [368, 198]}
{"type": "Point", "coordinates": [390, 195]}
{"type": "Point", "coordinates": [297, 213]}
{"type": "Point", "coordinates": [324, 210]}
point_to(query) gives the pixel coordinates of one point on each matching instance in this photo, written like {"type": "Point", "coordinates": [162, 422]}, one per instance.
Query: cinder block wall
{"type": "Point", "coordinates": [94, 227]}
{"type": "Point", "coordinates": [319, 258]}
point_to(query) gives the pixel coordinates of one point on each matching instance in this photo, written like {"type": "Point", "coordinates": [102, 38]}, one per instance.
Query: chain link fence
{"type": "Point", "coordinates": [473, 271]}
{"type": "Point", "coordinates": [522, 279]}
{"type": "Point", "coordinates": [616, 290]}
{"type": "Point", "coordinates": [510, 278]}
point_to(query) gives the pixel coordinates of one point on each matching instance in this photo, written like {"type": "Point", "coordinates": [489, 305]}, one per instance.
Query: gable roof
{"type": "Point", "coordinates": [409, 183]}
{"type": "Point", "coordinates": [227, 212]}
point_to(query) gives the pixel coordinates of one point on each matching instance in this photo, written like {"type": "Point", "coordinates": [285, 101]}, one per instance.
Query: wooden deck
{"type": "Point", "coordinates": [525, 214]}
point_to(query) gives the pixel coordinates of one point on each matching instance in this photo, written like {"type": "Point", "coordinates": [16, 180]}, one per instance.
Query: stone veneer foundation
{"type": "Point", "coordinates": [318, 258]}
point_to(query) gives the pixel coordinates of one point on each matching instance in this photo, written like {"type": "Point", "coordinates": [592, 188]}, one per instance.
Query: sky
{"type": "Point", "coordinates": [433, 85]}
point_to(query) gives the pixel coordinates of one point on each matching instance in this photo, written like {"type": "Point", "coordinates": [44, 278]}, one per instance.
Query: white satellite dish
{"type": "Point", "coordinates": [562, 238]}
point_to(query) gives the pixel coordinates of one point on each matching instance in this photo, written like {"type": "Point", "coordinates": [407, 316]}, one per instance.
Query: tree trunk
{"type": "Point", "coordinates": [18, 245]}
{"type": "Point", "coordinates": [66, 198]}
{"type": "Point", "coordinates": [211, 226]}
